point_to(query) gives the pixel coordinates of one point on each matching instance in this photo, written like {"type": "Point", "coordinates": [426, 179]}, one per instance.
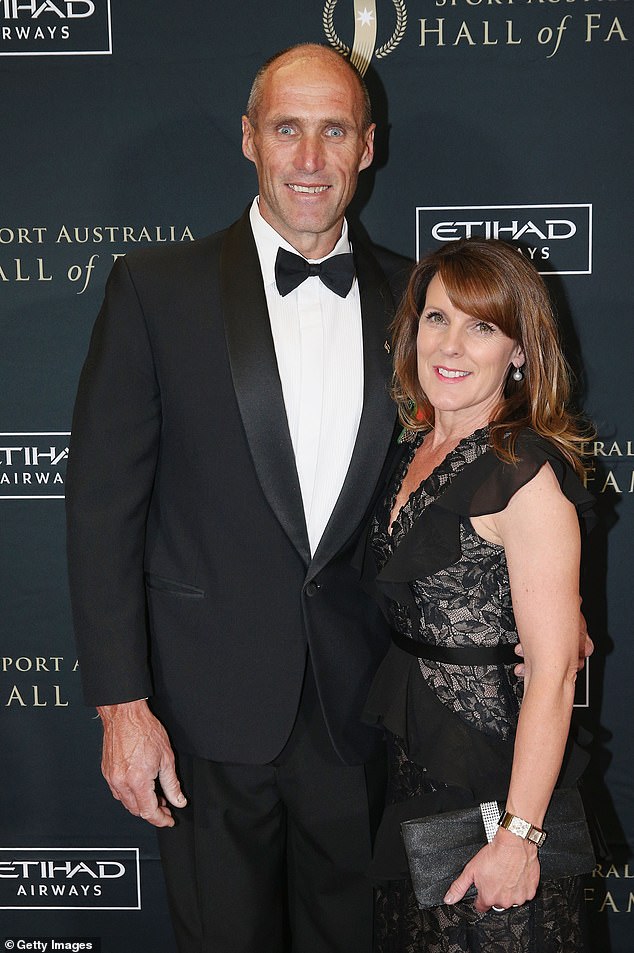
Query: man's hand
{"type": "Point", "coordinates": [137, 752]}
{"type": "Point", "coordinates": [586, 648]}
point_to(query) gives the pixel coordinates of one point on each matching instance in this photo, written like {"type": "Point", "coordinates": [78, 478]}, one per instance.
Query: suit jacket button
{"type": "Point", "coordinates": [311, 589]}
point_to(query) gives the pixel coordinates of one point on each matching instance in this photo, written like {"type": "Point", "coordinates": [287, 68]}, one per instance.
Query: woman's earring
{"type": "Point", "coordinates": [518, 374]}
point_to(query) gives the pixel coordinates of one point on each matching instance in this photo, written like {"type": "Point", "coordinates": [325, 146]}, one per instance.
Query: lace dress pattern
{"type": "Point", "coordinates": [466, 603]}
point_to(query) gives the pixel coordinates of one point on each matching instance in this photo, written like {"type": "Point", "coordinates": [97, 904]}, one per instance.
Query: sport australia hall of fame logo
{"type": "Point", "coordinates": [55, 28]}
{"type": "Point", "coordinates": [365, 31]}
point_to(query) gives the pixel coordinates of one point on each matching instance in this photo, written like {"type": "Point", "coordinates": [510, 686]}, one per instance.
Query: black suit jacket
{"type": "Point", "coordinates": [189, 564]}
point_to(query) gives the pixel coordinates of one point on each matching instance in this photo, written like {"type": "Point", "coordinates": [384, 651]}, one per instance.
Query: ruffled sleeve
{"type": "Point", "coordinates": [485, 486]}
{"type": "Point", "coordinates": [488, 485]}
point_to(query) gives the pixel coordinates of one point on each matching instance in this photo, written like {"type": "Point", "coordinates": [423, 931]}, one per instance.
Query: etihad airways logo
{"type": "Point", "coordinates": [33, 465]}
{"type": "Point", "coordinates": [365, 31]}
{"type": "Point", "coordinates": [70, 878]}
{"type": "Point", "coordinates": [556, 238]}
{"type": "Point", "coordinates": [55, 27]}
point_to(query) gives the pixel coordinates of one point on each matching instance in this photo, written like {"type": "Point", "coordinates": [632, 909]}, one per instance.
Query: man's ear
{"type": "Point", "coordinates": [368, 148]}
{"type": "Point", "coordinates": [247, 139]}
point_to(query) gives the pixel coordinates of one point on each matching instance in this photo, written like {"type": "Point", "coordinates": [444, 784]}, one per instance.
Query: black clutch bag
{"type": "Point", "coordinates": [439, 846]}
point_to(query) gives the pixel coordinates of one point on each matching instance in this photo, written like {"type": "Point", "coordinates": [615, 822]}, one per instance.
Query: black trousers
{"type": "Point", "coordinates": [273, 858]}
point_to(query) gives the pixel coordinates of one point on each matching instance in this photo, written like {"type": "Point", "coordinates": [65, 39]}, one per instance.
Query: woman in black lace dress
{"type": "Point", "coordinates": [477, 544]}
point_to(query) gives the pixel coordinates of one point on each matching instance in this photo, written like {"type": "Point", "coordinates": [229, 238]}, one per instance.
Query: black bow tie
{"type": "Point", "coordinates": [337, 273]}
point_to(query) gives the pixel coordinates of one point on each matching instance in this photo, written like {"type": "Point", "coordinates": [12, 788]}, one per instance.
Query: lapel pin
{"type": "Point", "coordinates": [387, 347]}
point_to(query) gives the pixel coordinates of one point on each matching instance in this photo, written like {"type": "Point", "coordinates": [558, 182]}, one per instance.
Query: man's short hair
{"type": "Point", "coordinates": [255, 96]}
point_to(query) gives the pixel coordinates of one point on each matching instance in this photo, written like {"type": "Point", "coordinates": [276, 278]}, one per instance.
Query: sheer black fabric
{"type": "Point", "coordinates": [451, 728]}
{"type": "Point", "coordinates": [465, 603]}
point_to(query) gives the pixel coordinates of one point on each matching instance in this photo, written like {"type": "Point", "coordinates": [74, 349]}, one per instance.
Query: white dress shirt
{"type": "Point", "coordinates": [319, 348]}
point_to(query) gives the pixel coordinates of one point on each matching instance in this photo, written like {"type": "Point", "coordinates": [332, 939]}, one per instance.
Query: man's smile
{"type": "Point", "coordinates": [307, 189]}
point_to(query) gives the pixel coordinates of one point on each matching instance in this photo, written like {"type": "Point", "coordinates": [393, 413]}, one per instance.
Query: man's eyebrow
{"type": "Point", "coordinates": [338, 121]}
{"type": "Point", "coordinates": [284, 119]}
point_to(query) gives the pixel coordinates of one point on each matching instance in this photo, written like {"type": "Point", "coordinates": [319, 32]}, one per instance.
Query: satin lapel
{"type": "Point", "coordinates": [256, 381]}
{"type": "Point", "coordinates": [379, 414]}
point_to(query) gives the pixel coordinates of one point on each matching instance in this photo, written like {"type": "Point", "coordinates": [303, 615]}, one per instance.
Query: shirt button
{"type": "Point", "coordinates": [311, 589]}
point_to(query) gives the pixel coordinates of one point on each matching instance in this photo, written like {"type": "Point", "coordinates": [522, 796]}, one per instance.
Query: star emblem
{"type": "Point", "coordinates": [365, 16]}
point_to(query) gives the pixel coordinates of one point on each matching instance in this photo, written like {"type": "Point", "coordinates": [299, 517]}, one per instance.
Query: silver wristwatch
{"type": "Point", "coordinates": [523, 829]}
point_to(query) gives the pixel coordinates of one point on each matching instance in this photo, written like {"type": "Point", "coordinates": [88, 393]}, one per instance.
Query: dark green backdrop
{"type": "Point", "coordinates": [121, 126]}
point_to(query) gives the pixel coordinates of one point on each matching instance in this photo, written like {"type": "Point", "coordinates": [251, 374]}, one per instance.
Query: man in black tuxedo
{"type": "Point", "coordinates": [229, 434]}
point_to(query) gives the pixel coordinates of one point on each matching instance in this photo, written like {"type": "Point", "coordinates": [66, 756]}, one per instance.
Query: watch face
{"type": "Point", "coordinates": [519, 827]}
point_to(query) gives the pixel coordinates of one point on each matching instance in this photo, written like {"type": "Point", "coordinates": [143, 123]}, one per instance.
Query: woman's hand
{"type": "Point", "coordinates": [505, 873]}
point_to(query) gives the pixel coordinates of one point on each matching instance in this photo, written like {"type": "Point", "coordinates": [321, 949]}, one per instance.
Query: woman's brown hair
{"type": "Point", "coordinates": [494, 282]}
